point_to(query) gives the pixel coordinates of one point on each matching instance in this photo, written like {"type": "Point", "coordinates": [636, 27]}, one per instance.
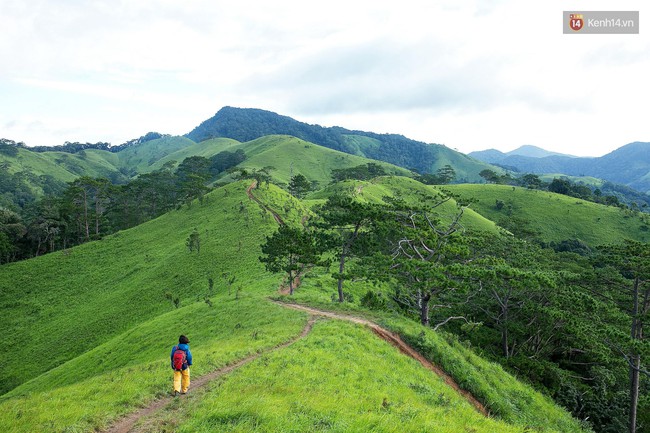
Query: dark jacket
{"type": "Point", "coordinates": [186, 348]}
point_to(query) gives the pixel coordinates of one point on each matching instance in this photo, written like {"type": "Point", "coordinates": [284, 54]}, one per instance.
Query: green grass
{"type": "Point", "coordinates": [62, 166]}
{"type": "Point", "coordinates": [558, 217]}
{"type": "Point", "coordinates": [341, 378]}
{"type": "Point", "coordinates": [503, 395]}
{"type": "Point", "coordinates": [409, 190]}
{"type": "Point", "coordinates": [586, 180]}
{"type": "Point", "coordinates": [205, 149]}
{"type": "Point", "coordinates": [93, 292]}
{"type": "Point", "coordinates": [132, 369]}
{"type": "Point", "coordinates": [292, 155]}
{"type": "Point", "coordinates": [141, 158]}
{"type": "Point", "coordinates": [94, 328]}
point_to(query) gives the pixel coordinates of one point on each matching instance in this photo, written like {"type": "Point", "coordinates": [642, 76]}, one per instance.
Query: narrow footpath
{"type": "Point", "coordinates": [126, 424]}
{"type": "Point", "coordinates": [396, 341]}
{"type": "Point", "coordinates": [382, 333]}
{"type": "Point", "coordinates": [249, 193]}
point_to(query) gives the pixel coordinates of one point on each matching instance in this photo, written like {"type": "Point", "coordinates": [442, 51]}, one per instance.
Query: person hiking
{"type": "Point", "coordinates": [181, 358]}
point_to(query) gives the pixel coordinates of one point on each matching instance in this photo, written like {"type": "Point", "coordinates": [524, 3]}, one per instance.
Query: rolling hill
{"type": "Point", "coordinates": [557, 217]}
{"type": "Point", "coordinates": [249, 124]}
{"type": "Point", "coordinates": [38, 172]}
{"type": "Point", "coordinates": [96, 323]}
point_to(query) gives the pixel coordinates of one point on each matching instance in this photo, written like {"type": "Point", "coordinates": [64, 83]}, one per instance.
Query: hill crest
{"type": "Point", "coordinates": [245, 124]}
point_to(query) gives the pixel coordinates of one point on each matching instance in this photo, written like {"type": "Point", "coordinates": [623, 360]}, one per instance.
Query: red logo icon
{"type": "Point", "coordinates": [576, 22]}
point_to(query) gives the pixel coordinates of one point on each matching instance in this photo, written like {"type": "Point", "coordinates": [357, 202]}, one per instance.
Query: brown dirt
{"type": "Point", "coordinates": [396, 341]}
{"type": "Point", "coordinates": [126, 424]}
{"type": "Point", "coordinates": [284, 286]}
{"type": "Point", "coordinates": [249, 193]}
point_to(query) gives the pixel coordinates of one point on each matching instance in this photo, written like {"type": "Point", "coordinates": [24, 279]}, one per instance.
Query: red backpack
{"type": "Point", "coordinates": [179, 359]}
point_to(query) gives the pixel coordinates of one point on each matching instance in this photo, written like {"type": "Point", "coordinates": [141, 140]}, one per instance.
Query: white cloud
{"type": "Point", "coordinates": [473, 74]}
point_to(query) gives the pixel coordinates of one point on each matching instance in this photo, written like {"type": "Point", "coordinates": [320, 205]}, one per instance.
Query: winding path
{"type": "Point", "coordinates": [249, 193]}
{"type": "Point", "coordinates": [384, 334]}
{"type": "Point", "coordinates": [127, 423]}
{"type": "Point", "coordinates": [396, 341]}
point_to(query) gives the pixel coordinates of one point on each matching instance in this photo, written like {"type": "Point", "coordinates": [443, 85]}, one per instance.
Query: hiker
{"type": "Point", "coordinates": [181, 361]}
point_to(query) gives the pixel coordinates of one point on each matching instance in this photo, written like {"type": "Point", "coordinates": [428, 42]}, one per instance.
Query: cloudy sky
{"type": "Point", "coordinates": [472, 74]}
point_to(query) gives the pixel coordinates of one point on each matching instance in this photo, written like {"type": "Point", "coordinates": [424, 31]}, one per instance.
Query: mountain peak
{"type": "Point", "coordinates": [535, 152]}
{"type": "Point", "coordinates": [247, 124]}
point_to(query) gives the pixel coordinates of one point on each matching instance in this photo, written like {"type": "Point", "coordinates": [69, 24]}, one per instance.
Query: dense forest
{"type": "Point", "coordinates": [7, 145]}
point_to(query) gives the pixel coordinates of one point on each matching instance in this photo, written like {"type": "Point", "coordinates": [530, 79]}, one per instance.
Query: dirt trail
{"type": "Point", "coordinates": [284, 286]}
{"type": "Point", "coordinates": [249, 192]}
{"type": "Point", "coordinates": [396, 341]}
{"type": "Point", "coordinates": [127, 423]}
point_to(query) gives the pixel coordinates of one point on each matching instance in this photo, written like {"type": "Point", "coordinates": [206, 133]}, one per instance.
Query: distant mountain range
{"type": "Point", "coordinates": [628, 165]}
{"type": "Point", "coordinates": [495, 156]}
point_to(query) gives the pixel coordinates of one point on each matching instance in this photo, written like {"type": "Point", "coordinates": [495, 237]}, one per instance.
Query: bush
{"type": "Point", "coordinates": [373, 301]}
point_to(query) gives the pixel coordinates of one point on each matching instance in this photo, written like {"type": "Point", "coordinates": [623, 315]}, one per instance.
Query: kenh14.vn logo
{"type": "Point", "coordinates": [576, 22]}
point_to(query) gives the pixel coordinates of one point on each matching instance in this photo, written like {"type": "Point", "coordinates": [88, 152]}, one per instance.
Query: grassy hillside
{"type": "Point", "coordinates": [249, 124]}
{"type": "Point", "coordinates": [93, 327]}
{"type": "Point", "coordinates": [557, 217]}
{"type": "Point", "coordinates": [141, 158]}
{"type": "Point", "coordinates": [504, 397]}
{"type": "Point", "coordinates": [289, 154]}
{"type": "Point", "coordinates": [329, 382]}
{"type": "Point", "coordinates": [38, 170]}
{"type": "Point", "coordinates": [64, 167]}
{"type": "Point", "coordinates": [586, 180]}
{"type": "Point", "coordinates": [60, 165]}
{"type": "Point", "coordinates": [91, 293]}
{"type": "Point", "coordinates": [205, 149]}
{"type": "Point", "coordinates": [408, 189]}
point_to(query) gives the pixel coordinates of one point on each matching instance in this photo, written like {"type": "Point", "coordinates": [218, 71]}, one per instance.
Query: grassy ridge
{"type": "Point", "coordinates": [502, 394]}
{"type": "Point", "coordinates": [132, 369]}
{"type": "Point", "coordinates": [90, 293]}
{"type": "Point", "coordinates": [557, 217]}
{"type": "Point", "coordinates": [341, 378]}
{"type": "Point", "coordinates": [287, 154]}
{"type": "Point", "coordinates": [409, 190]}
{"type": "Point", "coordinates": [292, 155]}
{"type": "Point", "coordinates": [95, 329]}
{"type": "Point", "coordinates": [64, 167]}
{"type": "Point", "coordinates": [141, 158]}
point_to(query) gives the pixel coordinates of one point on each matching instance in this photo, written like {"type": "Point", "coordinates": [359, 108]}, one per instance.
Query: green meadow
{"type": "Point", "coordinates": [557, 217]}
{"type": "Point", "coordinates": [92, 328]}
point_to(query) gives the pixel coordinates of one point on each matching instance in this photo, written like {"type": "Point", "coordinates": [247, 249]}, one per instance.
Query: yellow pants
{"type": "Point", "coordinates": [182, 378]}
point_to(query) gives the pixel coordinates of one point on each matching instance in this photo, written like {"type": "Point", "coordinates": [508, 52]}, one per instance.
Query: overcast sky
{"type": "Point", "coordinates": [469, 74]}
